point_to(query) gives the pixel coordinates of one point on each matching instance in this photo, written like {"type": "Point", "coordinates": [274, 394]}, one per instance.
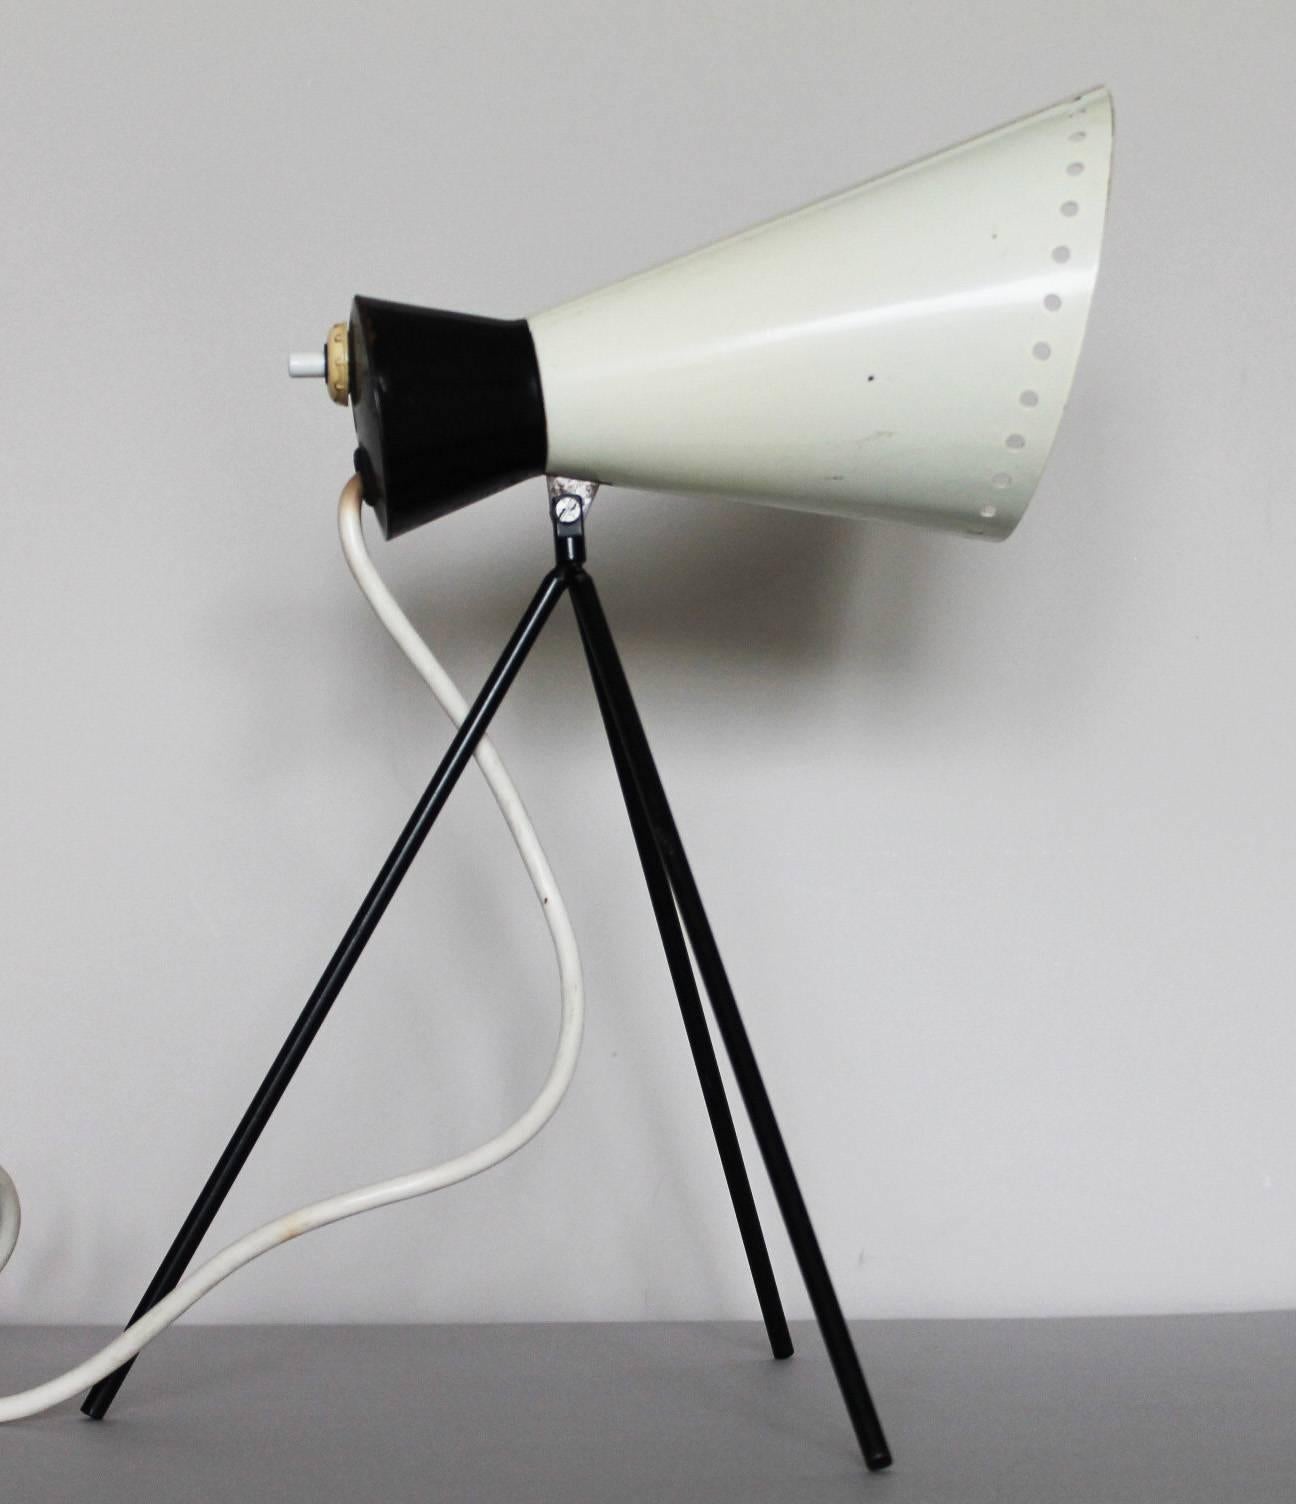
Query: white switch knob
{"type": "Point", "coordinates": [307, 365]}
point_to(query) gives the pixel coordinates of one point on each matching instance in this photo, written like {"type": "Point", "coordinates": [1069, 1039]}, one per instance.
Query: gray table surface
{"type": "Point", "coordinates": [1105, 1411]}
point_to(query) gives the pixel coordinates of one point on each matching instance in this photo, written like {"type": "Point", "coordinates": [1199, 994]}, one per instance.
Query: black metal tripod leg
{"type": "Point", "coordinates": [699, 1038]}
{"type": "Point", "coordinates": [339, 968]}
{"type": "Point", "coordinates": [638, 758]}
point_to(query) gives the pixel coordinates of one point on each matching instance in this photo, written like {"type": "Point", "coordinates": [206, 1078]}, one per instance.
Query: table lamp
{"type": "Point", "coordinates": [902, 350]}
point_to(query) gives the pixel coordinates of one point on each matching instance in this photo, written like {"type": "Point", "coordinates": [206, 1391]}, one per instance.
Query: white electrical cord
{"type": "Point", "coordinates": [10, 1216]}
{"type": "Point", "coordinates": [404, 1187]}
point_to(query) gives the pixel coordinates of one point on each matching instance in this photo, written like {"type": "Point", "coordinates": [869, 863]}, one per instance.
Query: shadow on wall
{"type": "Point", "coordinates": [704, 596]}
{"type": "Point", "coordinates": [724, 586]}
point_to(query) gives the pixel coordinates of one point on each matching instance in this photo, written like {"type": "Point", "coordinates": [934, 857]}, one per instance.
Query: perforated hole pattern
{"type": "Point", "coordinates": [1073, 166]}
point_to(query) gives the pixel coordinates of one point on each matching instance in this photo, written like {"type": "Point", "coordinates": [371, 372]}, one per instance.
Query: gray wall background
{"type": "Point", "coordinates": [999, 842]}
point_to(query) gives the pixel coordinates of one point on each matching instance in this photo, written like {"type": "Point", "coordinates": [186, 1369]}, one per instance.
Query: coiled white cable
{"type": "Point", "coordinates": [404, 1187]}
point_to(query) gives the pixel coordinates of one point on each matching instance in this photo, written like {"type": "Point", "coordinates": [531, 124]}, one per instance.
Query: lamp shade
{"type": "Point", "coordinates": [903, 350]}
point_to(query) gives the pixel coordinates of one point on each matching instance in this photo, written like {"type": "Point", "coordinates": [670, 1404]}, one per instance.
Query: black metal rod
{"type": "Point", "coordinates": [639, 759]}
{"type": "Point", "coordinates": [699, 1038]}
{"type": "Point", "coordinates": [204, 1210]}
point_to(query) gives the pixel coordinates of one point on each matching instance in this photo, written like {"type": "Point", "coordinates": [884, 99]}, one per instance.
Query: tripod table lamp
{"type": "Point", "coordinates": [902, 350]}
